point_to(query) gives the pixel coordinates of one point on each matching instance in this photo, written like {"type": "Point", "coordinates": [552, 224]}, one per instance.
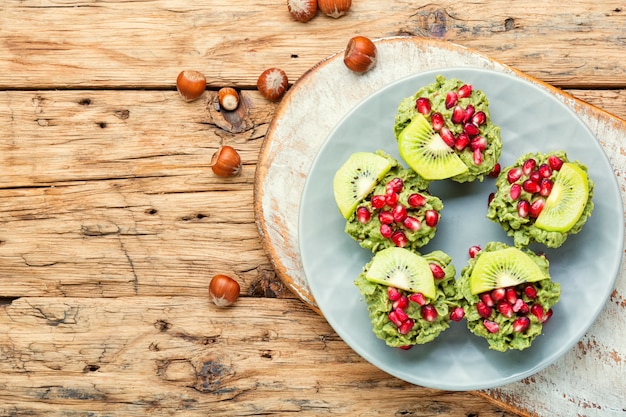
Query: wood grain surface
{"type": "Point", "coordinates": [112, 224]}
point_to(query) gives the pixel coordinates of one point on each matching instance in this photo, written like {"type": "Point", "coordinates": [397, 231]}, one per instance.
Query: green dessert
{"type": "Point", "coordinates": [384, 204]}
{"type": "Point", "coordinates": [542, 198]}
{"type": "Point", "coordinates": [445, 131]}
{"type": "Point", "coordinates": [507, 295]}
{"type": "Point", "coordinates": [410, 298]}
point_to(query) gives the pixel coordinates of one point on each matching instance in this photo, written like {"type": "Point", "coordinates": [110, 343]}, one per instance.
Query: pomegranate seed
{"type": "Point", "coordinates": [471, 129]}
{"type": "Point", "coordinates": [385, 217]}
{"type": "Point", "coordinates": [486, 298]}
{"type": "Point", "coordinates": [412, 223]}
{"type": "Point", "coordinates": [473, 251]}
{"type": "Point", "coordinates": [363, 215]}
{"type": "Point", "coordinates": [386, 231]}
{"type": "Point", "coordinates": [405, 347]}
{"type": "Point", "coordinates": [514, 174]}
{"type": "Point", "coordinates": [391, 199]}
{"type": "Point", "coordinates": [483, 309]}
{"type": "Point", "coordinates": [555, 162]}
{"type": "Point", "coordinates": [399, 238]}
{"type": "Point", "coordinates": [506, 309]}
{"type": "Point", "coordinates": [395, 185]}
{"type": "Point", "coordinates": [458, 114]}
{"type": "Point", "coordinates": [479, 118]}
{"type": "Point", "coordinates": [520, 306]}
{"type": "Point", "coordinates": [469, 112]}
{"type": "Point", "coordinates": [401, 303]}
{"type": "Point", "coordinates": [478, 157]}
{"type": "Point", "coordinates": [491, 326]}
{"type": "Point", "coordinates": [478, 142]}
{"type": "Point", "coordinates": [399, 213]}
{"type": "Point", "coordinates": [432, 218]}
{"type": "Point", "coordinates": [416, 200]}
{"type": "Point", "coordinates": [418, 298]}
{"type": "Point", "coordinates": [515, 191]}
{"type": "Point", "coordinates": [530, 291]}
{"type": "Point", "coordinates": [521, 324]}
{"type": "Point", "coordinates": [394, 318]}
{"type": "Point", "coordinates": [461, 141]}
{"type": "Point", "coordinates": [490, 198]}
{"type": "Point", "coordinates": [393, 293]}
{"type": "Point", "coordinates": [457, 314]}
{"type": "Point", "coordinates": [535, 176]}
{"type": "Point", "coordinates": [495, 171]}
{"type": "Point", "coordinates": [545, 171]}
{"type": "Point", "coordinates": [531, 186]}
{"type": "Point", "coordinates": [437, 120]}
{"type": "Point", "coordinates": [401, 315]}
{"type": "Point", "coordinates": [511, 295]}
{"type": "Point", "coordinates": [422, 105]}
{"type": "Point", "coordinates": [447, 136]}
{"type": "Point", "coordinates": [529, 166]}
{"type": "Point", "coordinates": [438, 272]}
{"type": "Point", "coordinates": [451, 99]}
{"type": "Point", "coordinates": [547, 315]}
{"type": "Point", "coordinates": [378, 201]}
{"type": "Point", "coordinates": [465, 90]}
{"type": "Point", "coordinates": [429, 313]}
{"type": "Point", "coordinates": [536, 207]}
{"type": "Point", "coordinates": [523, 207]}
{"type": "Point", "coordinates": [498, 294]}
{"type": "Point", "coordinates": [545, 187]}
{"type": "Point", "coordinates": [537, 311]}
{"type": "Point", "coordinates": [406, 327]}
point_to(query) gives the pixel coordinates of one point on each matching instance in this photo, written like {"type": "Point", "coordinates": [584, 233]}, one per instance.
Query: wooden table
{"type": "Point", "coordinates": [113, 224]}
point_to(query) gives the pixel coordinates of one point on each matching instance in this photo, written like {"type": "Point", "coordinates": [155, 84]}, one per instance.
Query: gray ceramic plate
{"type": "Point", "coordinates": [587, 265]}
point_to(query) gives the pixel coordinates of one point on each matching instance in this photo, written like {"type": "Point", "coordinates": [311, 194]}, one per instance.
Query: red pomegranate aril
{"type": "Point", "coordinates": [391, 199]}
{"type": "Point", "coordinates": [465, 91]}
{"type": "Point", "coordinates": [521, 324]}
{"type": "Point", "coordinates": [422, 105]}
{"type": "Point", "coordinates": [545, 187]}
{"type": "Point", "coordinates": [483, 309]}
{"type": "Point", "coordinates": [536, 207]}
{"type": "Point", "coordinates": [479, 118]}
{"type": "Point", "coordinates": [515, 191]}
{"type": "Point", "coordinates": [529, 166]}
{"type": "Point", "coordinates": [393, 293]}
{"type": "Point", "coordinates": [473, 251]}
{"type": "Point", "coordinates": [461, 141]}
{"type": "Point", "coordinates": [399, 213]}
{"type": "Point", "coordinates": [498, 294]}
{"type": "Point", "coordinates": [471, 129]}
{"type": "Point", "coordinates": [490, 198]}
{"type": "Point", "coordinates": [531, 186]}
{"type": "Point", "coordinates": [385, 217]}
{"type": "Point", "coordinates": [544, 171]}
{"type": "Point", "coordinates": [511, 295]}
{"type": "Point", "coordinates": [457, 314]}
{"type": "Point", "coordinates": [506, 309]}
{"type": "Point", "coordinates": [447, 136]}
{"type": "Point", "coordinates": [478, 157]}
{"type": "Point", "coordinates": [416, 200]}
{"type": "Point", "coordinates": [491, 326]}
{"type": "Point", "coordinates": [487, 299]}
{"type": "Point", "coordinates": [530, 291]}
{"type": "Point", "coordinates": [514, 174]}
{"type": "Point", "coordinates": [400, 314]}
{"type": "Point", "coordinates": [555, 162]}
{"type": "Point", "coordinates": [429, 313]}
{"type": "Point", "coordinates": [537, 311]}
{"type": "Point", "coordinates": [438, 272]}
{"type": "Point", "coordinates": [394, 186]}
{"type": "Point", "coordinates": [393, 317]}
{"type": "Point", "coordinates": [478, 142]}
{"type": "Point", "coordinates": [378, 201]}
{"type": "Point", "coordinates": [406, 327]}
{"type": "Point", "coordinates": [363, 215]}
{"type": "Point", "coordinates": [401, 303]}
{"type": "Point", "coordinates": [495, 171]}
{"type": "Point", "coordinates": [412, 223]}
{"type": "Point", "coordinates": [437, 121]}
{"type": "Point", "coordinates": [458, 115]}
{"type": "Point", "coordinates": [399, 238]}
{"type": "Point", "coordinates": [520, 306]}
{"type": "Point", "coordinates": [432, 218]}
{"type": "Point", "coordinates": [547, 315]}
{"type": "Point", "coordinates": [535, 176]}
{"type": "Point", "coordinates": [386, 231]}
{"type": "Point", "coordinates": [451, 99]}
{"type": "Point", "coordinates": [469, 112]}
{"type": "Point", "coordinates": [405, 347]}
{"type": "Point", "coordinates": [418, 298]}
{"type": "Point", "coordinates": [523, 207]}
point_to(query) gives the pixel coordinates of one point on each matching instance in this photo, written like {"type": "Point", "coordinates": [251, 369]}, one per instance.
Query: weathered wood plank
{"type": "Point", "coordinates": [183, 356]}
{"type": "Point", "coordinates": [112, 43]}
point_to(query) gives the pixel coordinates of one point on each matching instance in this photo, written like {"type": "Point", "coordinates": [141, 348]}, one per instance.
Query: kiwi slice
{"type": "Point", "coordinates": [566, 201]}
{"type": "Point", "coordinates": [503, 268]}
{"type": "Point", "coordinates": [427, 153]}
{"type": "Point", "coordinates": [356, 178]}
{"type": "Point", "coordinates": [403, 269]}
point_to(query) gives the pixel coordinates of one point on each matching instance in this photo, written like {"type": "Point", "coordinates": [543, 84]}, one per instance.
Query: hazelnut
{"type": "Point", "coordinates": [190, 84]}
{"type": "Point", "coordinates": [302, 10]}
{"type": "Point", "coordinates": [360, 55]}
{"type": "Point", "coordinates": [272, 83]}
{"type": "Point", "coordinates": [334, 8]}
{"type": "Point", "coordinates": [228, 98]}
